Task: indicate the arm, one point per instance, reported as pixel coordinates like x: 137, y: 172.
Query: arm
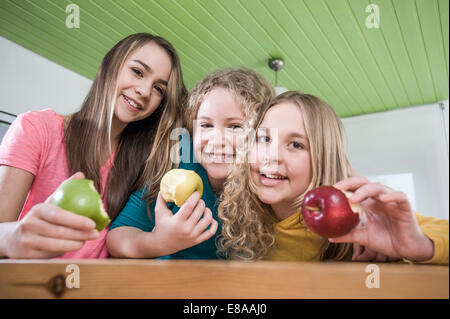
x: 171, y: 232
x: 46, y: 231
x: 437, y: 231
x: 14, y: 186
x: 132, y: 242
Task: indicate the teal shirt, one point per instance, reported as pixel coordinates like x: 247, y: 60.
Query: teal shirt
x: 134, y: 214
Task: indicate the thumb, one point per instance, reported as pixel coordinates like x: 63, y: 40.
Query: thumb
x: 161, y: 207
x: 356, y: 236
x: 77, y: 175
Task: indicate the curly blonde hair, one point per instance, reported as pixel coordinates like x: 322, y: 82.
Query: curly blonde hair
x: 251, y: 89
x: 247, y: 223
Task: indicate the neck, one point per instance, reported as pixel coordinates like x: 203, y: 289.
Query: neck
x: 283, y: 210
x: 216, y: 185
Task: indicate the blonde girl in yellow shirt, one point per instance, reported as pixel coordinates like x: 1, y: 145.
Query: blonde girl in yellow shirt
x: 298, y: 145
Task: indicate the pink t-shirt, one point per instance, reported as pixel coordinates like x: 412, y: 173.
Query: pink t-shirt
x: 35, y: 143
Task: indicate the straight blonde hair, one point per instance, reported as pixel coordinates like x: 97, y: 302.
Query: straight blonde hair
x: 248, y: 223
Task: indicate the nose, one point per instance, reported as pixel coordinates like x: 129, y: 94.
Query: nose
x: 143, y: 90
x: 217, y: 137
x: 270, y: 153
x: 216, y: 141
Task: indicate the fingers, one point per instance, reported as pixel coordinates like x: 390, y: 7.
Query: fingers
x: 366, y: 255
x: 381, y: 258
x: 356, y: 236
x: 46, y: 229
x: 203, y: 223
x: 361, y: 187
x: 352, y: 183
x: 189, y: 205
x: 368, y: 190
x: 77, y: 175
x: 357, y: 250
x: 361, y: 253
x: 396, y: 197
x: 161, y: 207
x: 209, y: 232
x: 51, y: 246
x: 58, y: 216
x: 197, y: 213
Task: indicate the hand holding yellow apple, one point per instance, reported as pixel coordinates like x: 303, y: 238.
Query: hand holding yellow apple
x: 178, y: 184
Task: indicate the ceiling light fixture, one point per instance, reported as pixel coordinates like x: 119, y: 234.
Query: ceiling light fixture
x: 276, y: 65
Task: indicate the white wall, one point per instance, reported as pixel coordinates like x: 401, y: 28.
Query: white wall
x: 406, y: 149
x: 31, y: 82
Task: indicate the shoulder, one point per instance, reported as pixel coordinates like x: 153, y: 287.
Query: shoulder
x: 35, y: 125
x: 40, y: 116
x: 40, y: 120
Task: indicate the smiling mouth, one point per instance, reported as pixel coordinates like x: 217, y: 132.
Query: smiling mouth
x: 271, y: 176
x: 219, y: 157
x: 132, y: 103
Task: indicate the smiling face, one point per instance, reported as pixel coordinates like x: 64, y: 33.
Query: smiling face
x: 281, y: 165
x: 217, y: 131
x: 141, y: 83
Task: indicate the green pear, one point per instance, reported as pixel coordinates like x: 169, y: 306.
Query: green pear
x: 79, y: 196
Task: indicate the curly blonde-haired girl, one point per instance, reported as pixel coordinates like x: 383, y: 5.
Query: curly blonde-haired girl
x: 249, y: 224
x: 298, y: 146
x: 218, y: 112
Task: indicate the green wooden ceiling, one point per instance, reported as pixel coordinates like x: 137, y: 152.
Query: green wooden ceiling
x: 327, y: 48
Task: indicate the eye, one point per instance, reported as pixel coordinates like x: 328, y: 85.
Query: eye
x: 137, y: 72
x: 263, y: 139
x: 235, y: 126
x: 205, y: 125
x: 159, y: 89
x: 297, y: 145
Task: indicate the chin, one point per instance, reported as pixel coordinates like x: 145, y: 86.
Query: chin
x: 268, y: 197
x: 216, y: 171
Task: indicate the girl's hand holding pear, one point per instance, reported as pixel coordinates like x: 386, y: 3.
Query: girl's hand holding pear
x: 48, y: 231
x: 187, y: 228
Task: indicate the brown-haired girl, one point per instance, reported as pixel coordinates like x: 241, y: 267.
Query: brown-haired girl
x: 121, y: 133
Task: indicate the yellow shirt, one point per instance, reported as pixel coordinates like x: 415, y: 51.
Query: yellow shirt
x: 295, y: 242
x: 437, y: 230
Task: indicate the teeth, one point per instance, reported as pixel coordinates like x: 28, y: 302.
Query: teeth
x: 219, y: 157
x: 273, y: 176
x: 132, y: 103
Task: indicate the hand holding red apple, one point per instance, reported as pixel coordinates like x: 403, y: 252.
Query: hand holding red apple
x: 388, y: 225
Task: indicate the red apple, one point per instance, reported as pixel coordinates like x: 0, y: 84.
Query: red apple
x: 328, y: 213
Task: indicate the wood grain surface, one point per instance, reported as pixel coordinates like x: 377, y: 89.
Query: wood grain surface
x: 176, y: 279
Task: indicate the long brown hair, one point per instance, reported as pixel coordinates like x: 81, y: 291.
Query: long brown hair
x: 142, y: 144
x: 247, y: 223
